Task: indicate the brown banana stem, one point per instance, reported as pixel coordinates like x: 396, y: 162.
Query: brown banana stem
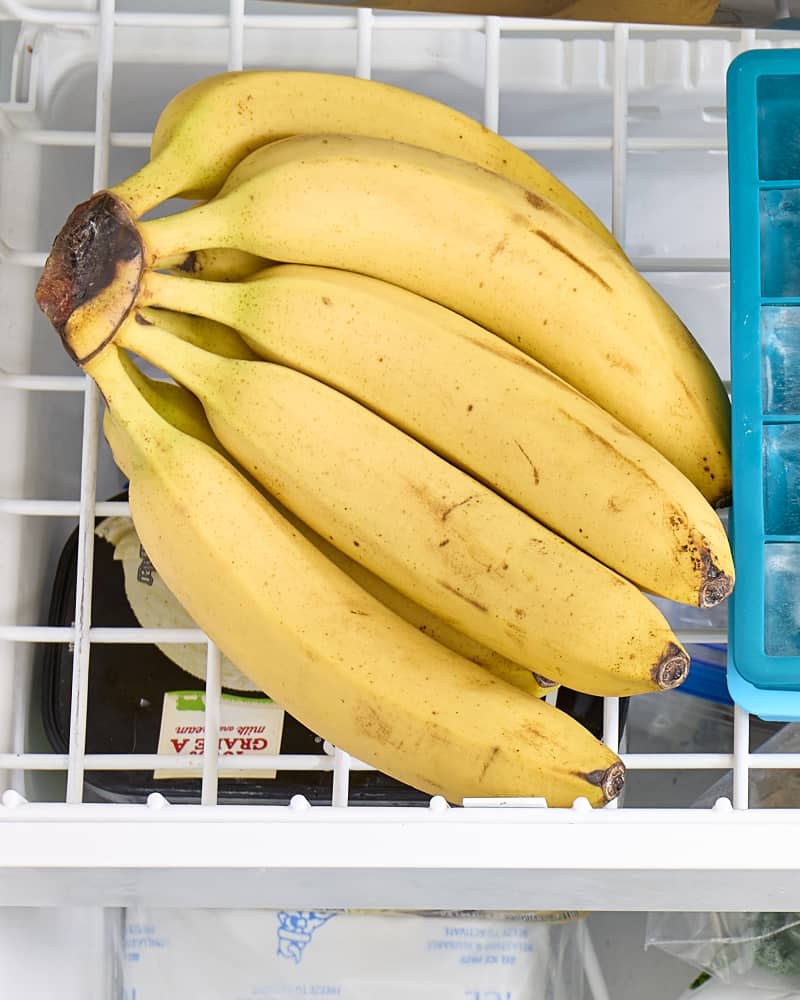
x: 92, y: 274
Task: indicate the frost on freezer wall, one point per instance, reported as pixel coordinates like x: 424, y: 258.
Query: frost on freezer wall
x: 242, y: 954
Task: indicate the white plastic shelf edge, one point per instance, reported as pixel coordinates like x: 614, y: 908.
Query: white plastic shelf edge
x: 452, y: 859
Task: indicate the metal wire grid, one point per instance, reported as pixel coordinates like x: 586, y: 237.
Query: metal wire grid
x: 105, y: 19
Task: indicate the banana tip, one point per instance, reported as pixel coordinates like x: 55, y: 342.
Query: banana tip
x: 715, y: 590
x: 613, y: 781
x: 610, y: 782
x: 672, y: 669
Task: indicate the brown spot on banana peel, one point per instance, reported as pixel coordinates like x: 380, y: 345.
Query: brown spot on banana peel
x: 464, y: 597
x: 372, y: 722
x: 568, y: 253
x: 190, y: 263
x: 508, y: 352
x: 615, y: 361
x: 714, y: 585
x: 672, y: 667
x: 488, y: 762
x: 618, y: 456
x: 541, y: 204
x: 460, y: 503
x: 515, y: 631
x: 439, y: 506
x: 534, y: 470
x: 499, y: 248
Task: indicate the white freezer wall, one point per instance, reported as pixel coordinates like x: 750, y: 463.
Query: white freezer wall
x: 62, y: 951
x: 633, y: 118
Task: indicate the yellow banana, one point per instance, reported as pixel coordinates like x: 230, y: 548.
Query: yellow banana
x: 206, y: 129
x: 485, y: 406
x: 463, y: 237
x: 202, y: 332
x: 215, y: 264
x: 425, y: 527
x: 331, y: 655
x: 180, y: 408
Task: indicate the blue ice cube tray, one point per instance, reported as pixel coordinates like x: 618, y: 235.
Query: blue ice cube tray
x: 763, y: 105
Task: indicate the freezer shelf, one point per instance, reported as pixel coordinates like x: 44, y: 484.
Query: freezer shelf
x: 633, y: 119
x: 437, y: 858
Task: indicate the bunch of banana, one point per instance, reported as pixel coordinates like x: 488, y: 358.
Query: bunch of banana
x: 438, y: 390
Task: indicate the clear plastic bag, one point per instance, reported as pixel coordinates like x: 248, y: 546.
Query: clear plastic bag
x: 759, y: 950
x: 351, y: 955
x: 715, y: 989
x: 755, y: 949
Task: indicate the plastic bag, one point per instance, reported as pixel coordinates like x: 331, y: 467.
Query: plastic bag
x: 760, y: 950
x: 714, y: 989
x: 755, y: 949
x: 351, y: 955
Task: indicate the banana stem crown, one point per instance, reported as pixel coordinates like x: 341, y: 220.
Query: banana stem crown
x: 92, y: 275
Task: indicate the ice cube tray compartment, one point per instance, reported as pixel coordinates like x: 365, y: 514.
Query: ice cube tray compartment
x: 779, y: 217
x: 778, y: 107
x: 780, y: 359
x: 763, y: 93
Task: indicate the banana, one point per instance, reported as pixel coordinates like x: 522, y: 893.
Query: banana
x: 459, y: 235
x: 206, y: 129
x: 328, y: 652
x: 430, y: 624
x: 425, y: 527
x: 485, y: 406
x: 154, y: 606
x: 180, y: 408
x: 215, y: 264
x: 202, y: 332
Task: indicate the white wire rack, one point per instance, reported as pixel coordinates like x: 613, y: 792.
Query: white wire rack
x: 487, y: 854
